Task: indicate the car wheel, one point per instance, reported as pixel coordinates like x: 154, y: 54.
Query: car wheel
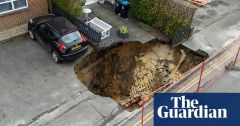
x: 55, y: 57
x: 31, y: 35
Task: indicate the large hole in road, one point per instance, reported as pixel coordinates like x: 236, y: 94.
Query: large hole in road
x: 129, y: 70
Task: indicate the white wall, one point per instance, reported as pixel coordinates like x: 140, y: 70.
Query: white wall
x: 95, y: 1
x: 90, y: 2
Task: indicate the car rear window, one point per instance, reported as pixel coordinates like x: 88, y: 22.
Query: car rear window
x: 71, y: 37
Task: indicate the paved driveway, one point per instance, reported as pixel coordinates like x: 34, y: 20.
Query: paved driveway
x: 31, y: 83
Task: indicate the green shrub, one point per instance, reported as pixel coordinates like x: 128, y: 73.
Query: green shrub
x: 123, y: 30
x: 158, y: 79
x: 73, y: 7
x: 159, y: 14
x: 142, y: 10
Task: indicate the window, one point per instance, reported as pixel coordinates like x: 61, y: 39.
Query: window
x: 7, y: 6
x: 74, y: 36
x: 43, y: 28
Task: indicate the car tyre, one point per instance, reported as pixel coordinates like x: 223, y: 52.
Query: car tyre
x: 31, y: 35
x: 55, y: 56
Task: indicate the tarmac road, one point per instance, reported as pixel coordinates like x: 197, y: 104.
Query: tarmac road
x: 34, y: 89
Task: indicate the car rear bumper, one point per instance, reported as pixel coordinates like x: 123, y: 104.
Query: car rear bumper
x: 74, y: 55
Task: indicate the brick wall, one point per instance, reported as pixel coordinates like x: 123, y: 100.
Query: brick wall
x: 36, y: 8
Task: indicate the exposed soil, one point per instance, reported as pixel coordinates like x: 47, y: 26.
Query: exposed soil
x: 129, y: 70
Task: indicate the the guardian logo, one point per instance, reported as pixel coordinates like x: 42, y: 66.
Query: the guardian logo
x: 190, y: 108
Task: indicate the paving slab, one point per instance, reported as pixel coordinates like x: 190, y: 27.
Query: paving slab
x: 106, y: 12
x: 104, y: 105
x: 81, y: 115
x: 91, y: 112
x: 215, y: 24
x: 230, y: 82
x: 62, y: 108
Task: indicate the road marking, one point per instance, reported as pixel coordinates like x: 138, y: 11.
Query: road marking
x: 150, y: 115
x: 190, y: 84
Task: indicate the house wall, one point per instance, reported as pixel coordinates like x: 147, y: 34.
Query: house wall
x: 35, y: 8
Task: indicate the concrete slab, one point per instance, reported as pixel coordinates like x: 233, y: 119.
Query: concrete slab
x: 81, y: 115
x: 215, y: 24
x: 62, y: 108
x: 122, y: 118
x: 133, y: 30
x: 230, y: 82
x: 106, y: 13
x: 144, y: 39
x: 91, y: 112
x: 119, y: 24
x: 110, y: 107
x: 139, y: 34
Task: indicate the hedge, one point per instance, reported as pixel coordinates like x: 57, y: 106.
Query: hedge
x: 73, y: 7
x: 162, y: 15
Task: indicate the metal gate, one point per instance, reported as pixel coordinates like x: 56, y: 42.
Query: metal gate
x: 181, y: 36
x: 94, y: 36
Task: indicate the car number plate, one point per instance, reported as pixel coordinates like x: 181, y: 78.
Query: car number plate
x: 76, y: 47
